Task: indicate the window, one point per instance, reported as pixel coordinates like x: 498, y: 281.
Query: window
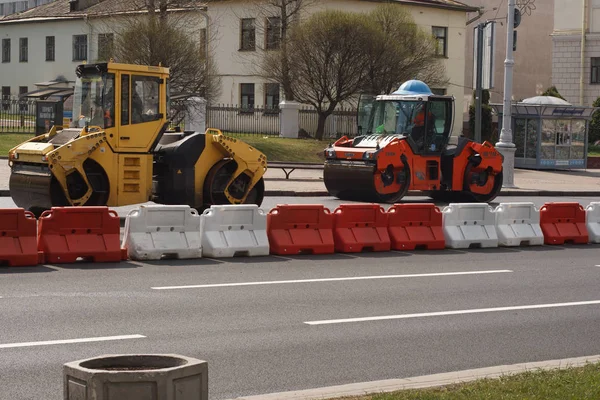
x: 5, y: 50
x: 124, y: 99
x: 23, y: 49
x: 144, y: 99
x: 80, y: 47
x: 5, y: 97
x: 248, y: 37
x: 50, y: 48
x: 439, y: 92
x: 273, y: 33
x: 271, y: 96
x: 595, y: 77
x: 203, y: 42
x: 105, y: 46
x: 441, y: 36
x: 22, y: 100
x: 247, y: 95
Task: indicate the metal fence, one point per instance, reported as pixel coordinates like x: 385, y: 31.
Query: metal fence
x: 341, y: 122
x: 17, y: 115
x: 235, y: 119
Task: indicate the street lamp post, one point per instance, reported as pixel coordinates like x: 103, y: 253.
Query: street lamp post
x: 506, y: 146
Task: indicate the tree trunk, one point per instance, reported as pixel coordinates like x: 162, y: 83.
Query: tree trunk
x: 321, y: 124
x: 285, y: 67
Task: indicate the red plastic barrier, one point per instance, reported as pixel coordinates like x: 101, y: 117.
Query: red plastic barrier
x: 68, y: 233
x: 18, y: 232
x: 563, y: 222
x: 360, y: 227
x: 414, y: 226
x: 300, y: 229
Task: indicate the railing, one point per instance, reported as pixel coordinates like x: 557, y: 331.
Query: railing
x: 341, y: 123
x: 17, y: 115
x: 235, y: 119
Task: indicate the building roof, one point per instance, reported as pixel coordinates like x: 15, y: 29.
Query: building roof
x: 61, y: 9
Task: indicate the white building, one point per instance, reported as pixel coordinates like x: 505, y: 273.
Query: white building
x: 47, y: 42
x: 237, y: 60
x: 576, y: 73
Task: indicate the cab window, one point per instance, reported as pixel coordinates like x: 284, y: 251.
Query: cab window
x: 439, y: 124
x: 145, y: 91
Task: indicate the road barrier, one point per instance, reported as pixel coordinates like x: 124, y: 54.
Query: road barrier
x: 469, y: 225
x: 300, y: 229
x: 563, y: 223
x: 518, y: 224
x: 592, y: 213
x: 413, y: 226
x: 18, y: 238
x: 360, y: 227
x: 66, y: 234
x: 234, y: 230
x: 153, y: 232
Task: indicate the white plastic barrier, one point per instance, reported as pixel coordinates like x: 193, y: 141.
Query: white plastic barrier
x: 518, y: 224
x: 469, y: 225
x: 592, y: 215
x: 234, y: 230
x: 156, y: 231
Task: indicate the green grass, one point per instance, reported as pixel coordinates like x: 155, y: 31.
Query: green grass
x: 280, y: 149
x: 593, y: 150
x: 567, y: 384
x: 276, y: 149
x: 10, y: 140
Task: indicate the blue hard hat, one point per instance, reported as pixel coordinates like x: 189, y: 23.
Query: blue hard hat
x: 414, y: 88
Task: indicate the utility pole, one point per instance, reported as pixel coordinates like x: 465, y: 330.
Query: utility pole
x: 479, y: 82
x: 506, y: 146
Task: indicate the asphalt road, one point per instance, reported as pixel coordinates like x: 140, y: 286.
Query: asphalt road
x: 303, y: 322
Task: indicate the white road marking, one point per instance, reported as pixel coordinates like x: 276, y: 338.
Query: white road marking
x: 455, y: 312
x: 70, y: 341
x: 349, y: 278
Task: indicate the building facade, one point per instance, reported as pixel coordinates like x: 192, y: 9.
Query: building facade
x: 237, y: 52
x: 46, y: 43
x: 576, y: 73
x: 533, y: 58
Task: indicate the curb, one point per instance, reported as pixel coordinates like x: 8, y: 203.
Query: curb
x: 511, y: 193
x: 421, y: 382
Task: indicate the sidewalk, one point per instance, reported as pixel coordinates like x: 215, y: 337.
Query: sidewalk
x: 310, y: 183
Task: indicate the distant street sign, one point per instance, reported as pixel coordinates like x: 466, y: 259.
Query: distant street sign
x: 488, y: 59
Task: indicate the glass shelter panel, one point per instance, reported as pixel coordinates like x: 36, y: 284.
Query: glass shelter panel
x: 532, y: 139
x: 519, y: 137
x: 548, y: 139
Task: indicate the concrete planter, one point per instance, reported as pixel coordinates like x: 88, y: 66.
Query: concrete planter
x: 136, y: 377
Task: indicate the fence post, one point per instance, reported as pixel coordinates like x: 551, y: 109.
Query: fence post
x: 290, y: 119
x: 195, y: 114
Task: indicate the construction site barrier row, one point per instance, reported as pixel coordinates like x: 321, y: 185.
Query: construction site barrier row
x: 154, y: 232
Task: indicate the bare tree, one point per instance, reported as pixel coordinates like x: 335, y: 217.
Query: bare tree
x: 399, y: 51
x: 166, y: 34
x: 326, y: 61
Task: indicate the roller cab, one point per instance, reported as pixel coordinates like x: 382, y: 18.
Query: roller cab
x: 403, y: 145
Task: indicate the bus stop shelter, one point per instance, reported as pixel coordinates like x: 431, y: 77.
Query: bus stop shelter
x: 549, y: 133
